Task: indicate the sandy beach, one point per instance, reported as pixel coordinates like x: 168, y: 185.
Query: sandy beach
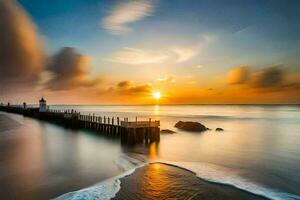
x: 162, y: 181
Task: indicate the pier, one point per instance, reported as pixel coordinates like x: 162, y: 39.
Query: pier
x: 130, y: 132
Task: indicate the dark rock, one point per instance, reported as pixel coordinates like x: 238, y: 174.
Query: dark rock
x: 191, y: 126
x: 219, y: 129
x: 167, y: 131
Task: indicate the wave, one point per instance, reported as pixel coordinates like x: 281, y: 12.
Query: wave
x: 107, y: 189
x: 226, y: 176
x: 102, y: 191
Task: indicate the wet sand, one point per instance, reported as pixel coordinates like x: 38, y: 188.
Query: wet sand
x: 161, y: 181
x: 7, y: 123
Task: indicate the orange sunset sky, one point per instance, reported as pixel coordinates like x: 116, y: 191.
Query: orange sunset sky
x: 122, y: 52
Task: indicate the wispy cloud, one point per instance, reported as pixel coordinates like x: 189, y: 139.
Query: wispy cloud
x: 183, y: 53
x: 166, y: 79
x: 172, y: 53
x: 117, y: 22
x: 137, y: 56
x: 199, y: 66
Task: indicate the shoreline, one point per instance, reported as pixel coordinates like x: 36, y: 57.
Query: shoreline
x: 200, y: 170
x: 162, y: 181
x: 134, y: 184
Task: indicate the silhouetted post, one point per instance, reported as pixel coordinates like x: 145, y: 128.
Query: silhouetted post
x: 89, y: 121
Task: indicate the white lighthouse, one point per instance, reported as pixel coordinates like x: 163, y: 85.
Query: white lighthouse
x: 43, y: 105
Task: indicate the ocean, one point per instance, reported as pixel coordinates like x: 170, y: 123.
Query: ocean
x: 258, y: 152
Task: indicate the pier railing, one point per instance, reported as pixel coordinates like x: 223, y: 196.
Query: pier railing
x: 115, y: 121
x: 140, y: 124
x: 129, y: 131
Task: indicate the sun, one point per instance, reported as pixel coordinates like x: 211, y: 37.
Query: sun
x: 156, y: 95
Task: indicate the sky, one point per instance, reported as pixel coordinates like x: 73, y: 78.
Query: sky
x: 123, y: 52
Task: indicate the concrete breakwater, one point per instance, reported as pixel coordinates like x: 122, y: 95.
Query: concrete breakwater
x: 130, y: 132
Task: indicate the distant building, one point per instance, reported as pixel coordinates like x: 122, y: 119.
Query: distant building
x: 43, y: 105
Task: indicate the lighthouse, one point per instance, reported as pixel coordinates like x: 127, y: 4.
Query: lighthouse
x: 43, y: 105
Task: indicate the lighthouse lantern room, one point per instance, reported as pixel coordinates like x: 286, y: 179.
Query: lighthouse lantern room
x: 43, y: 105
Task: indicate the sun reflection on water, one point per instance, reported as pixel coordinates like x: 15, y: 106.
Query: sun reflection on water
x: 156, y: 110
x: 153, y: 150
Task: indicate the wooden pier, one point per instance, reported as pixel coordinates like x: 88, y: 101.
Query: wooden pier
x: 130, y: 132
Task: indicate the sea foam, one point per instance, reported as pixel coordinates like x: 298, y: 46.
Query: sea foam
x: 107, y: 189
x: 222, y: 175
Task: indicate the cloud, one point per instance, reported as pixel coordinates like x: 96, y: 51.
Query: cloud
x: 69, y: 69
x: 21, y: 50
x: 136, y: 56
x: 166, y: 79
x: 169, y: 54
x: 238, y: 75
x: 270, y: 77
x: 126, y: 13
x: 199, y: 66
x: 130, y: 88
x: 183, y: 54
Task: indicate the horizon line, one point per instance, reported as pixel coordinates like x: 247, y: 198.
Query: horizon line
x: 184, y: 104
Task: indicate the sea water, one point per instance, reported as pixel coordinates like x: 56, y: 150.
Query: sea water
x: 258, y: 151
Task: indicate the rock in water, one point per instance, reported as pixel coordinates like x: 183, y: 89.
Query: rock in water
x: 191, y: 126
x: 167, y: 131
x: 219, y: 129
